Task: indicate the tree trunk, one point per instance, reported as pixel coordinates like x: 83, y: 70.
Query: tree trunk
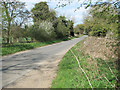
x: 11, y: 41
x: 8, y: 33
x: 8, y: 39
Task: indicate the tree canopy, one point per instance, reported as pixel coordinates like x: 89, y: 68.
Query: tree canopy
x: 102, y: 20
x: 41, y: 12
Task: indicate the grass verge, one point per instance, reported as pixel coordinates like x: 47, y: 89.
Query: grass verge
x: 98, y: 71
x: 13, y: 48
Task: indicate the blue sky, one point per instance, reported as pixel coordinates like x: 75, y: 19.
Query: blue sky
x: 67, y: 11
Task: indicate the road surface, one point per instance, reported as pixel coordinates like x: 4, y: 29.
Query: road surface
x: 17, y: 65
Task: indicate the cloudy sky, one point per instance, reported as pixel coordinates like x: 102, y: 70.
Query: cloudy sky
x: 68, y: 11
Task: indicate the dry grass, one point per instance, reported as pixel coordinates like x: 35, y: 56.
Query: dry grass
x: 101, y: 48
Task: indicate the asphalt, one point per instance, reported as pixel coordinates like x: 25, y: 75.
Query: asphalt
x: 17, y: 65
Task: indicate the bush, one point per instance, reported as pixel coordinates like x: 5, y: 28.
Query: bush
x: 43, y: 31
x: 79, y: 29
x: 91, y: 33
x: 97, y: 30
x: 62, y: 30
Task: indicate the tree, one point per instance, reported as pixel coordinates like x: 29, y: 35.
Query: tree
x: 16, y: 33
x: 43, y: 19
x: 70, y: 27
x: 102, y: 20
x: 61, y: 28
x: 41, y: 12
x: 79, y: 29
x: 110, y: 5
x: 25, y: 32
x: 52, y: 16
x: 10, y: 11
x: 22, y: 19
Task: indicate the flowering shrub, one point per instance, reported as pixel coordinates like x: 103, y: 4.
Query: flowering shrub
x: 43, y: 31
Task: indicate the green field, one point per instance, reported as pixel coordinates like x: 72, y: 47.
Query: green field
x: 98, y: 71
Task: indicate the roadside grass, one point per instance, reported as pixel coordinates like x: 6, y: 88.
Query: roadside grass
x: 69, y: 75
x: 13, y: 48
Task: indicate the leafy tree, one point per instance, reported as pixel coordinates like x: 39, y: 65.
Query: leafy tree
x: 97, y: 30
x: 41, y: 12
x: 10, y: 11
x: 102, y: 7
x: 61, y: 28
x: 70, y: 27
x: 102, y: 20
x: 79, y: 29
x: 52, y: 16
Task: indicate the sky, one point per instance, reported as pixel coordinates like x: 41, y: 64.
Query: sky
x: 68, y: 11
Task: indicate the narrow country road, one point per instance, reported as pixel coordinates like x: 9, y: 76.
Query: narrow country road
x: 17, y: 65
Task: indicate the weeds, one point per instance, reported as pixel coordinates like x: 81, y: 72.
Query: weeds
x: 101, y: 73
